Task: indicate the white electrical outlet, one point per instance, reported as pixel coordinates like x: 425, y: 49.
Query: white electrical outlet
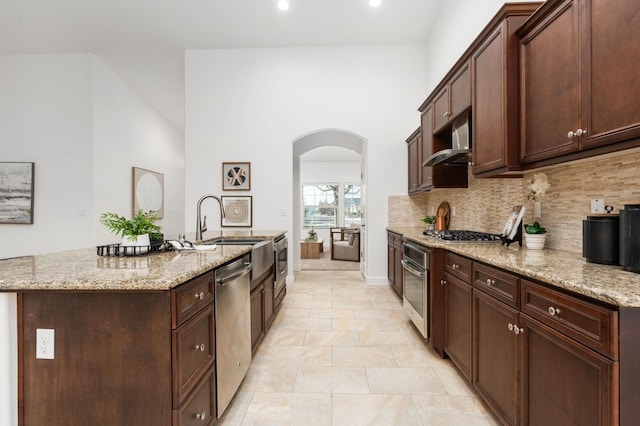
x: 453, y: 211
x: 597, y: 205
x: 45, y: 343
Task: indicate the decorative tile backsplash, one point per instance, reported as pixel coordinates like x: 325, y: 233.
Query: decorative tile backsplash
x: 486, y: 204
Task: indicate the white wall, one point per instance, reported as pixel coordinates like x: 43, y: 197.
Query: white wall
x: 250, y: 104
x: 84, y: 129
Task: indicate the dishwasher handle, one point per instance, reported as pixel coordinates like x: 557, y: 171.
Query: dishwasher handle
x: 222, y: 281
x: 411, y: 269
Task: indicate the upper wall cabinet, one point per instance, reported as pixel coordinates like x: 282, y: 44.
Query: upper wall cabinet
x: 414, y: 165
x: 453, y: 99
x: 494, y: 77
x: 578, y: 76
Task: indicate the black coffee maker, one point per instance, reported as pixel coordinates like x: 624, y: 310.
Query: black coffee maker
x: 630, y: 237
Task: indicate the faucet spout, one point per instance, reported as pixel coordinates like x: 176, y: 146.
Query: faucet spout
x: 201, y: 225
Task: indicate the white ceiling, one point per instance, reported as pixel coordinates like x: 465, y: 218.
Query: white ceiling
x: 144, y: 41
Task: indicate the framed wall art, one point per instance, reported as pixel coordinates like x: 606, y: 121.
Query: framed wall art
x: 238, y: 211
x: 16, y: 192
x: 148, y: 191
x: 236, y: 176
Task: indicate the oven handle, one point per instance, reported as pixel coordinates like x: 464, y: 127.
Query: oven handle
x: 411, y: 269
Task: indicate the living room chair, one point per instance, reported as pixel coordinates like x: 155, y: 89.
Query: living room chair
x: 345, y: 243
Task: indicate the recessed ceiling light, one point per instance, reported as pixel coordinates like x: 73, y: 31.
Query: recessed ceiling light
x: 375, y: 3
x: 283, y: 5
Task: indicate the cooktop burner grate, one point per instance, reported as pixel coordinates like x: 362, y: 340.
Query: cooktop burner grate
x: 461, y: 235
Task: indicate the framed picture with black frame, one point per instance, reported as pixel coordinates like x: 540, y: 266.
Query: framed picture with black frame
x: 238, y: 211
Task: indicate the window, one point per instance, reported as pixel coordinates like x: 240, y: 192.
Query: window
x: 320, y: 203
x: 327, y: 205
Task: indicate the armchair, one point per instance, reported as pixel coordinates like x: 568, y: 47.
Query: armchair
x: 345, y: 244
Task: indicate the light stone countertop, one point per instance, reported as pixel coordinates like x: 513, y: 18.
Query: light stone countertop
x: 84, y: 270
x: 567, y: 270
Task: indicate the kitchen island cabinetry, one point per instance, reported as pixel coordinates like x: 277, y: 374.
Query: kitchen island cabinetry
x: 581, y: 54
x: 262, y: 307
x: 394, y: 265
x: 495, y: 78
x: 120, y: 357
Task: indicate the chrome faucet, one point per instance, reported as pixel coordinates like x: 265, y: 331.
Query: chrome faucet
x: 201, y: 223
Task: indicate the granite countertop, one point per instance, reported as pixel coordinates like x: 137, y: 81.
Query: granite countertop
x: 83, y: 269
x: 567, y: 270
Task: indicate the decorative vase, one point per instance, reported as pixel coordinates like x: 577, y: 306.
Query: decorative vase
x: 431, y: 226
x: 535, y: 241
x: 135, y: 244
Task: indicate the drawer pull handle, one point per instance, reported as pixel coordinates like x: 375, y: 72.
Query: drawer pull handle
x: 201, y: 416
x: 200, y: 295
x: 490, y: 282
x: 201, y: 347
x: 454, y: 266
x: 553, y: 311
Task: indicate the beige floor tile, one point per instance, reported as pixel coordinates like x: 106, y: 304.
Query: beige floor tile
x: 355, y: 324
x: 331, y: 338
x: 331, y: 313
x: 409, y: 356
x: 289, y: 313
x: 362, y: 357
x: 404, y: 381
x: 387, y: 338
x: 236, y: 409
x: 367, y: 410
x: 284, y: 338
x: 289, y: 409
x: 304, y: 324
x: 453, y: 382
x: 310, y: 304
x: 270, y: 378
x: 331, y: 380
x: 296, y: 355
x: 351, y: 304
x: 379, y: 313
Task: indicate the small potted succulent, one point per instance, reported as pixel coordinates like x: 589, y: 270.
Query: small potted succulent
x: 138, y: 231
x: 430, y: 221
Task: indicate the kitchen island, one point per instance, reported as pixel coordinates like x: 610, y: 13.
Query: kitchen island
x: 133, y: 337
x: 543, y: 336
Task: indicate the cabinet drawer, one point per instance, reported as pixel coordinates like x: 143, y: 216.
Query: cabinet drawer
x: 190, y: 297
x: 200, y: 408
x: 458, y: 266
x: 590, y: 324
x: 502, y: 285
x: 194, y: 348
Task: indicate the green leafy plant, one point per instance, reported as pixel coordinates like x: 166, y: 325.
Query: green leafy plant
x: 312, y: 235
x: 429, y: 220
x: 140, y: 224
x: 534, y: 229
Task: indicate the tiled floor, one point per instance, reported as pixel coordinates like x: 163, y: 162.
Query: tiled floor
x: 341, y: 352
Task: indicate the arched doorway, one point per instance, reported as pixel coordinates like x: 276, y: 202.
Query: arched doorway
x: 327, y: 138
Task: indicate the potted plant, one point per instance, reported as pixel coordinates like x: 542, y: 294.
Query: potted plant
x: 430, y: 221
x: 138, y: 231
x: 534, y: 236
x: 312, y: 235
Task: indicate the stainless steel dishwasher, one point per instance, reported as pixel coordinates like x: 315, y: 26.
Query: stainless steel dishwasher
x: 233, y: 328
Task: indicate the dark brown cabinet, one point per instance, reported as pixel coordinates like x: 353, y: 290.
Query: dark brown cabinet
x: 394, y: 265
x: 453, y: 98
x: 458, y: 306
x: 414, y: 156
x: 437, y: 301
x: 426, y: 126
x: 262, y: 308
x: 495, y: 78
x: 578, y: 82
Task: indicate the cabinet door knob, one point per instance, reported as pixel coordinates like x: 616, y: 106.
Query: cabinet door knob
x: 510, y: 327
x: 553, y: 311
x: 200, y: 347
x: 443, y: 282
x: 201, y: 416
x: 490, y: 282
x: 200, y: 295
x: 581, y: 132
x: 517, y: 330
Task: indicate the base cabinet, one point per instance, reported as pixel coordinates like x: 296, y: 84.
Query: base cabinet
x: 458, y: 305
x: 394, y: 265
x: 565, y: 383
x: 262, y: 309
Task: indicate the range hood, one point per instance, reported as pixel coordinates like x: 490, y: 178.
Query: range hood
x: 448, y: 157
x: 459, y: 153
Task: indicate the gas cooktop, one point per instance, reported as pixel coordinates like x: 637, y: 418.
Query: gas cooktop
x: 460, y: 236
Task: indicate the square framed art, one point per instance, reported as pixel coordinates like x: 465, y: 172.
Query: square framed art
x: 236, y: 176
x: 238, y: 211
x: 16, y: 192
x: 148, y: 191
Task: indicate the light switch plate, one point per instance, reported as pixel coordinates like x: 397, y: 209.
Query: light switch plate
x: 597, y: 205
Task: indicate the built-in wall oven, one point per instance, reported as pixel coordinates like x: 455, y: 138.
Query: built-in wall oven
x: 280, y: 249
x: 415, y: 283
